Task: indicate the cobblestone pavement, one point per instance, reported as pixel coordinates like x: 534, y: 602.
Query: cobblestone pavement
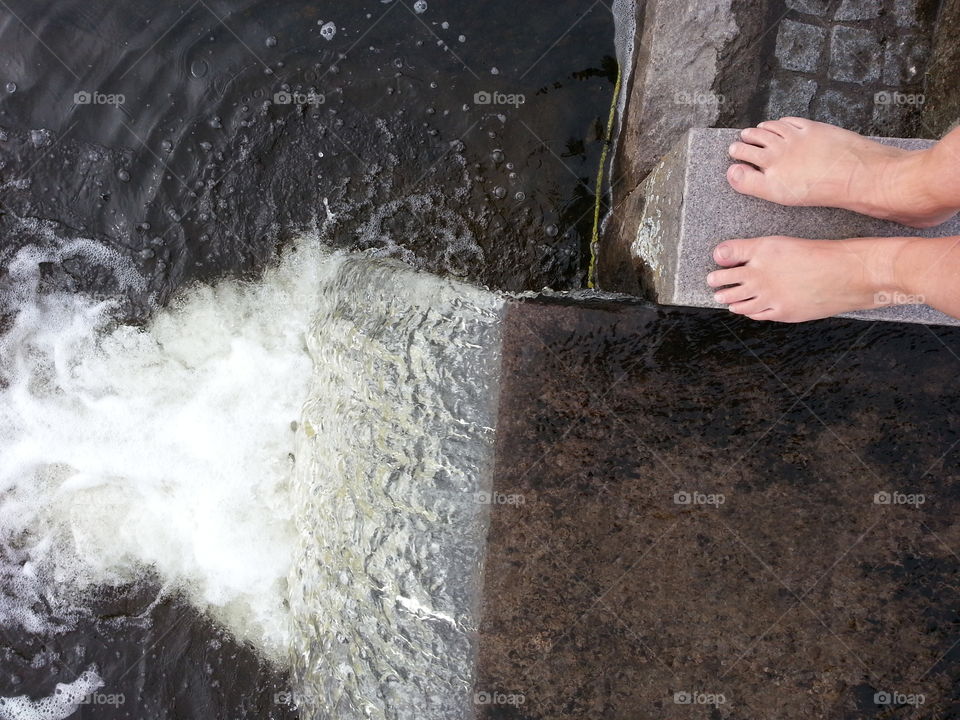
x: 855, y: 63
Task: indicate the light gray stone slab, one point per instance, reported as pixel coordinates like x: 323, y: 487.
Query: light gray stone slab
x: 689, y: 208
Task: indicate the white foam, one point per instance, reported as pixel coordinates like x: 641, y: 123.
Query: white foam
x: 64, y: 701
x: 165, y: 448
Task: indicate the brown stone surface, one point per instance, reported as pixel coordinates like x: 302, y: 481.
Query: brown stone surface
x: 799, y: 596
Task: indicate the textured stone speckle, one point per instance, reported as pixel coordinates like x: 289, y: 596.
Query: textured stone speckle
x: 790, y: 95
x: 905, y: 13
x: 859, y: 10
x: 855, y: 55
x: 843, y: 109
x: 810, y: 7
x: 799, y: 46
x: 905, y: 57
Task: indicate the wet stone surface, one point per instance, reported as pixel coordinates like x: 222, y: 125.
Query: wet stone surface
x: 697, y: 506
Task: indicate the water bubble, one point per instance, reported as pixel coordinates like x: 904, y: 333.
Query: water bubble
x: 144, y: 226
x: 552, y: 230
x: 123, y: 175
x: 205, y: 146
x: 215, y: 122
x: 445, y: 25
x: 271, y: 41
x: 497, y: 156
x: 166, y: 146
x: 500, y: 192
x: 198, y: 68
x: 494, y: 71
x: 431, y: 111
x: 320, y: 154
x: 328, y: 31
x: 420, y: 6
x: 509, y: 166
x: 521, y: 196
x: 462, y: 38
x: 11, y: 87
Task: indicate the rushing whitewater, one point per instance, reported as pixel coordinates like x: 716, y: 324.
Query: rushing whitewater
x: 300, y: 457
x: 164, y: 449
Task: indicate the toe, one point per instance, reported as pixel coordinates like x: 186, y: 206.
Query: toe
x: 734, y: 296
x: 731, y: 253
x: 777, y: 127
x: 759, y: 137
x: 725, y: 278
x: 749, y: 306
x: 748, y: 153
x: 798, y: 122
x: 768, y: 314
x: 746, y: 180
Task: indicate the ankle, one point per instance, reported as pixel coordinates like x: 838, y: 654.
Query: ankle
x: 883, y: 272
x: 941, y: 171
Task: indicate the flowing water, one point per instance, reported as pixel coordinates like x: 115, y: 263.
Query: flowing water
x: 202, y: 209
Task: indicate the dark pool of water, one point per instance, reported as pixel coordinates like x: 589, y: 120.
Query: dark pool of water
x: 203, y: 169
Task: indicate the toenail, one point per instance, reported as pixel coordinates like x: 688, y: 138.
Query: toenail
x: 731, y: 149
x: 723, y: 251
x: 737, y: 172
x: 718, y: 298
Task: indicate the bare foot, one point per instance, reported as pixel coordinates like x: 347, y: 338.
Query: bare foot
x: 791, y: 280
x: 794, y: 161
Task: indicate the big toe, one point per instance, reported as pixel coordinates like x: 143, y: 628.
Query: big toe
x: 731, y: 253
x: 745, y: 180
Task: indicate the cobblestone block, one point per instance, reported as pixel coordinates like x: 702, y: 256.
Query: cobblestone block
x: 799, y: 46
x: 849, y: 110
x: 859, y: 10
x: 855, y: 55
x: 790, y: 95
x: 810, y: 7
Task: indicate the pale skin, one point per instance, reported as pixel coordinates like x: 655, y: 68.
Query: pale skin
x: 800, y: 162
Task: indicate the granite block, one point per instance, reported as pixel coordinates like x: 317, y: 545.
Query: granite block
x: 688, y: 207
x: 799, y: 46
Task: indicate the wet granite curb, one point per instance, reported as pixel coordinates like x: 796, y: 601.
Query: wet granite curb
x: 664, y: 552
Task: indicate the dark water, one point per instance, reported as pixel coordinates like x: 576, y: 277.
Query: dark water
x: 200, y: 172
x: 203, y: 171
